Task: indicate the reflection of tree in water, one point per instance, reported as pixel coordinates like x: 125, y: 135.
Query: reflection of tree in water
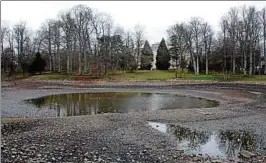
x: 195, y: 138
x: 229, y: 142
x: 82, y: 103
x: 38, y: 102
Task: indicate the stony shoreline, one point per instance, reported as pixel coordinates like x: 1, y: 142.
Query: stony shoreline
x: 124, y: 137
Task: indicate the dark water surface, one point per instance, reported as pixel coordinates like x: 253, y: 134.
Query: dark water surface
x: 223, y: 144
x: 114, y: 102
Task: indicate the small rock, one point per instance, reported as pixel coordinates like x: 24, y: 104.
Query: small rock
x: 216, y: 161
x: 180, y: 151
x: 86, y: 154
x: 247, y: 154
x: 196, y: 159
x: 39, y: 155
x: 24, y: 157
x: 104, y: 149
x: 14, y: 153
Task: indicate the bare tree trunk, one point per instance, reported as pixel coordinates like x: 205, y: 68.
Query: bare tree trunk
x: 225, y: 57
x: 71, y: 62
x: 176, y: 67
x: 259, y: 61
x: 59, y: 60
x: 194, y: 65
x: 54, y: 59
x: 234, y: 64
x: 245, y: 63
x: 264, y: 46
x: 80, y: 63
x: 50, y: 48
x: 68, y: 61
x: 50, y: 63
x: 264, y: 51
x: 254, y: 62
x: 197, y: 64
x: 85, y: 63
x: 207, y: 63
x: 250, y: 61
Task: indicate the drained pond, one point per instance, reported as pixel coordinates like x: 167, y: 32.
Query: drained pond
x: 114, y: 102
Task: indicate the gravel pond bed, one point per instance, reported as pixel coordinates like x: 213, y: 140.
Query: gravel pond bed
x: 115, y: 137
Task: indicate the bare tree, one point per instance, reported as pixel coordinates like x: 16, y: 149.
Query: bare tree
x: 207, y: 41
x: 139, y: 41
x: 57, y: 41
x: 245, y: 37
x: 68, y: 32
x: 263, y: 21
x: 47, y: 34
x: 178, y: 43
x: 196, y: 29
x: 4, y: 31
x: 253, y: 23
x: 232, y: 16
x: 21, y: 36
x: 82, y: 17
x: 224, y: 26
x: 129, y: 52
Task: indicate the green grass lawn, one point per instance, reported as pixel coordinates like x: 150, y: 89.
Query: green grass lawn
x: 170, y: 74
x: 146, y: 75
x: 143, y: 75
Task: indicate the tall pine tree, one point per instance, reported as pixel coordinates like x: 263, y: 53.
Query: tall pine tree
x: 163, y: 56
x: 146, y: 57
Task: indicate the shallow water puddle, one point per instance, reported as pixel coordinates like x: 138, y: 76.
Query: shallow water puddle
x: 114, y: 102
x: 256, y: 93
x: 221, y: 144
x: 158, y: 126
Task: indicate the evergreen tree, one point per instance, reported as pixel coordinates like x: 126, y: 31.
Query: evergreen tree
x: 163, y: 56
x: 146, y: 57
x: 38, y: 64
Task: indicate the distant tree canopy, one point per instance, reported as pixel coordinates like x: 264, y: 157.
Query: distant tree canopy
x: 146, y: 57
x: 37, y: 65
x: 86, y: 41
x: 163, y: 56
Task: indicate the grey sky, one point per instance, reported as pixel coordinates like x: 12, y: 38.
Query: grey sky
x: 156, y: 16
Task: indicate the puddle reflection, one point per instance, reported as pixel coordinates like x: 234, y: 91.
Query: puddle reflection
x: 223, y: 144
x: 114, y: 102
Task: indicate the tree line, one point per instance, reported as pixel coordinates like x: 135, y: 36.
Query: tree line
x: 80, y: 41
x: 238, y: 47
x: 84, y: 41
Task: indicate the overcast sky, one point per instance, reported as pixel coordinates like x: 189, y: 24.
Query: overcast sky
x: 156, y: 16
